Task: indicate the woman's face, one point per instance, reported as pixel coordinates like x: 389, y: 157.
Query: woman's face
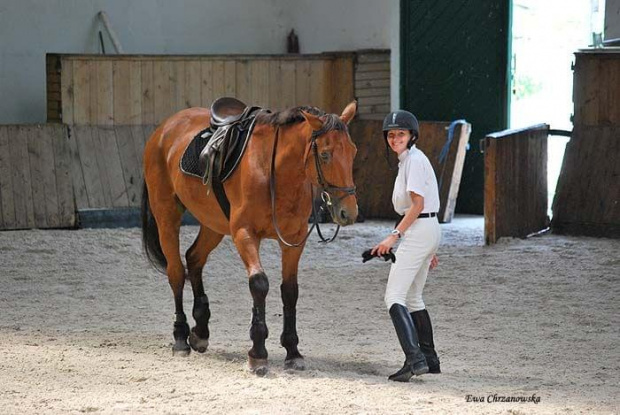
x: 398, y: 139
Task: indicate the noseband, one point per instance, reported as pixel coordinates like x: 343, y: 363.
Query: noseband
x: 326, y: 194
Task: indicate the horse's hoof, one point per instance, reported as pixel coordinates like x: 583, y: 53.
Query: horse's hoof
x: 259, y: 367
x: 198, y: 344
x: 295, y: 364
x: 181, y: 350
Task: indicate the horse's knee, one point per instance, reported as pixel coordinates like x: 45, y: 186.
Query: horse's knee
x: 259, y: 287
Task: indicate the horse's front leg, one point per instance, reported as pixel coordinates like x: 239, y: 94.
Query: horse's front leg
x: 248, y: 246
x: 290, y: 292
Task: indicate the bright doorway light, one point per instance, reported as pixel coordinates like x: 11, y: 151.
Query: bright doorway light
x: 545, y: 36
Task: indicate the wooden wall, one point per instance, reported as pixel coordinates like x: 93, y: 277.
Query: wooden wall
x: 375, y: 179
x: 587, y: 199
x: 106, y: 165
x: 372, y: 83
x: 144, y: 90
x: 36, y: 189
x: 515, y: 183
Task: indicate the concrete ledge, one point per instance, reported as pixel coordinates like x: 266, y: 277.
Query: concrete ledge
x: 118, y: 218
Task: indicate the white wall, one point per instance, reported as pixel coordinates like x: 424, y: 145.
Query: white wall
x: 612, y: 19
x: 31, y: 28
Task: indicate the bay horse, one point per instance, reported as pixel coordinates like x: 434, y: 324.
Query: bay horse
x: 270, y: 195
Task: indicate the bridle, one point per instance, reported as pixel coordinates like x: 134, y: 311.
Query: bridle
x: 326, y: 193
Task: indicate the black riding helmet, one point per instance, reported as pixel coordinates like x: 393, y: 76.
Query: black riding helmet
x: 402, y: 120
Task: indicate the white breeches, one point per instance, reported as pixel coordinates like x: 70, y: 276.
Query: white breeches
x: 413, y: 258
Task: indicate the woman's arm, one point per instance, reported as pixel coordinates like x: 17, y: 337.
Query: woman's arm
x: 417, y: 206
x: 412, y: 214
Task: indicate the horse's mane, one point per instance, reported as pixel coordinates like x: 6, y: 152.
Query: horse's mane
x: 293, y: 116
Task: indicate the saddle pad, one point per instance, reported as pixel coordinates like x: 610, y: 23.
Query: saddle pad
x: 189, y: 162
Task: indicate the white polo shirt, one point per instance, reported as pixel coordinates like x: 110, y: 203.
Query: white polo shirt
x: 415, y: 174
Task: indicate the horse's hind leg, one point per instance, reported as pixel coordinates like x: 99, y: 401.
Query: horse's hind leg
x: 168, y: 218
x: 289, y: 290
x: 196, y: 257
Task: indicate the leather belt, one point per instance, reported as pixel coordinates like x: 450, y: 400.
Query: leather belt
x: 427, y: 215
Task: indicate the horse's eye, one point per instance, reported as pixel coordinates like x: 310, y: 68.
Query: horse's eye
x: 325, y: 156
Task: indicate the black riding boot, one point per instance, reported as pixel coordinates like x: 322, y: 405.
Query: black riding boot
x: 415, y: 363
x: 422, y: 323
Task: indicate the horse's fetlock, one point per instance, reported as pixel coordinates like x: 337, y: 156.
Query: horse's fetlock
x: 259, y: 331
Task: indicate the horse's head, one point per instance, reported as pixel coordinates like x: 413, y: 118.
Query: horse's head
x: 329, y: 162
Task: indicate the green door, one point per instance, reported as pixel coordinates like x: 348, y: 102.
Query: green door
x: 455, y: 64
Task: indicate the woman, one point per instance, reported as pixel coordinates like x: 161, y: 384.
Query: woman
x: 415, y: 196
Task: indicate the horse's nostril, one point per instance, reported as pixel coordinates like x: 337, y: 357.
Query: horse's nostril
x: 343, y: 214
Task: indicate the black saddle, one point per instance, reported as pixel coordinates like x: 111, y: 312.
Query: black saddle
x: 215, y: 152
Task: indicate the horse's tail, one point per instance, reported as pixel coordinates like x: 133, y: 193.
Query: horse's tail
x: 150, y: 234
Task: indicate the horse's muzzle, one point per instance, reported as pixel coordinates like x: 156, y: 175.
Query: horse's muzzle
x: 344, y: 215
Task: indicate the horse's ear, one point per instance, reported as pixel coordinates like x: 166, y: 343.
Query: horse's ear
x: 349, y: 112
x: 314, y: 121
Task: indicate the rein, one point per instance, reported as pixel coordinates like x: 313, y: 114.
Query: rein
x: 325, y: 195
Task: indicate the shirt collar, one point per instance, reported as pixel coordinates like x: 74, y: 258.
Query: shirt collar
x: 402, y: 156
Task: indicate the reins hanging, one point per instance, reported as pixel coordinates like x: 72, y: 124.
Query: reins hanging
x: 325, y: 196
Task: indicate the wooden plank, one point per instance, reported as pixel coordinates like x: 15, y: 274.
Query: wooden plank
x: 275, y: 85
x: 490, y: 186
x: 374, y: 75
x: 317, y: 80
x: 38, y: 150
x: 259, y: 83
x: 193, y: 73
x: 373, y: 67
x: 373, y: 109
x: 288, y: 98
x: 230, y: 78
x: 219, y: 80
x: 162, y: 97
x: 6, y: 181
x: 148, y: 92
x: 373, y: 57
x: 372, y: 92
x: 105, y: 94
x: 64, y: 182
x: 378, y: 100
x: 82, y: 109
x: 135, y: 93
x: 138, y: 138
x: 207, y: 95
x: 242, y: 81
x: 371, y: 83
x: 342, y: 84
x: 88, y: 156
x: 302, y: 82
x: 177, y: 86
x: 48, y: 169
x: 112, y: 167
x: 457, y: 161
x: 122, y: 92
x: 22, y: 185
x: 80, y: 193
x: 129, y: 163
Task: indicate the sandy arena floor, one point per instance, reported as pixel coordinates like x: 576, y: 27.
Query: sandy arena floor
x: 86, y: 327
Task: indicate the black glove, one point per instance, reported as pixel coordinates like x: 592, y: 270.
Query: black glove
x: 367, y: 256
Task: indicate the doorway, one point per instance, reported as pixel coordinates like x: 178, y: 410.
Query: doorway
x: 545, y: 35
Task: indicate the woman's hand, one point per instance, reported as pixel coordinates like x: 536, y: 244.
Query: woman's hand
x: 434, y: 262
x: 385, y: 245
